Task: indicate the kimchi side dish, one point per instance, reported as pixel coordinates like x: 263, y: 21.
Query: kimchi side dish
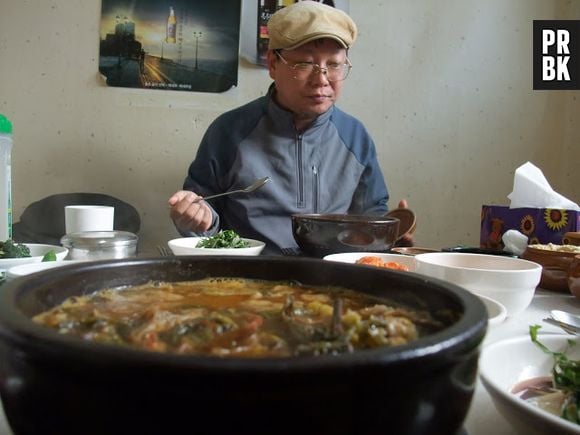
x: 231, y: 317
x: 379, y: 262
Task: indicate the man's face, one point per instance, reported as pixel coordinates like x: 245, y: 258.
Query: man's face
x: 315, y: 95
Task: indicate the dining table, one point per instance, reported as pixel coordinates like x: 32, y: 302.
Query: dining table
x: 483, y: 418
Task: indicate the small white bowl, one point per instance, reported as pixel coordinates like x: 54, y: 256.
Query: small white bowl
x: 37, y: 251
x: 510, y: 281
x: 352, y: 257
x: 187, y: 246
x: 505, y: 363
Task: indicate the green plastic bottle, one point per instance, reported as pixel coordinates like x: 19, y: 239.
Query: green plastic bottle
x: 5, y: 178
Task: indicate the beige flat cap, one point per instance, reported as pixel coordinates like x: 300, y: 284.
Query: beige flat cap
x: 305, y: 21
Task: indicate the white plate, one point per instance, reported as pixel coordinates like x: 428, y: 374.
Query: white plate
x: 37, y: 251
x: 27, y: 269
x: 352, y: 257
x: 505, y: 363
x: 187, y: 246
x: 496, y: 312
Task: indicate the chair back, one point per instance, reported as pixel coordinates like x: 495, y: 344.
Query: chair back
x: 43, y: 220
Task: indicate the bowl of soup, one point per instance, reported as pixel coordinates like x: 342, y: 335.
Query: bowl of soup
x: 227, y: 345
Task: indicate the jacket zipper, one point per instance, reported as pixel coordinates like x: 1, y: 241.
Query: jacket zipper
x: 300, y: 174
x: 315, y: 188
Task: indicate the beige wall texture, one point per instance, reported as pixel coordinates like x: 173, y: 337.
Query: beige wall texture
x: 444, y: 87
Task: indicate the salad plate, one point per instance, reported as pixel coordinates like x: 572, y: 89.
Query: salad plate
x: 506, y: 364
x: 37, y: 252
x: 27, y: 269
x: 189, y: 246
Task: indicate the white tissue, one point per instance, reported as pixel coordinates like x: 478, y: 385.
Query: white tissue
x: 531, y: 189
x: 514, y: 242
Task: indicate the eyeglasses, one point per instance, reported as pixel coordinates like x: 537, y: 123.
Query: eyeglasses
x: 334, y: 72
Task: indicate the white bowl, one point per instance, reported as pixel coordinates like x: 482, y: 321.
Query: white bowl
x: 187, y: 246
x: 37, y: 251
x: 496, y: 312
x: 505, y: 363
x: 352, y: 257
x: 510, y: 281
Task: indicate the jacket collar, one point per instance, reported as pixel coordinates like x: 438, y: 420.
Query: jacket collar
x: 284, y: 118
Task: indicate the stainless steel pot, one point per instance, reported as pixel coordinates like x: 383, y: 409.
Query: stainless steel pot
x: 100, y: 245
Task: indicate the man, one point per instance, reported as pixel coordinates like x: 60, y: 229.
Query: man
x: 320, y: 159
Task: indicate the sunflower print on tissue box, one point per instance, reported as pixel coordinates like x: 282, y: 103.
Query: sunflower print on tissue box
x: 540, y: 225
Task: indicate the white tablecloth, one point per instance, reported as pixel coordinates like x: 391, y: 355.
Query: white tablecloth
x: 483, y: 418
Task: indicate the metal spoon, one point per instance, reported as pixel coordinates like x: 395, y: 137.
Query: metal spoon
x: 255, y: 185
x: 570, y: 329
x: 566, y: 318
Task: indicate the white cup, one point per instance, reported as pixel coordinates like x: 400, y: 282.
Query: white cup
x: 79, y: 218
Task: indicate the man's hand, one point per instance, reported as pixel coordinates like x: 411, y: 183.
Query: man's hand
x: 189, y: 215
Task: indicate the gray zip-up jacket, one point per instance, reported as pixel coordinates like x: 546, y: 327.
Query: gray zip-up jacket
x: 331, y: 167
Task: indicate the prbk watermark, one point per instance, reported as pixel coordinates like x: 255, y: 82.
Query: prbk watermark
x: 556, y: 54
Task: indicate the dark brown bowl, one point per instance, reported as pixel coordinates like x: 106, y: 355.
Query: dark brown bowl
x: 574, y: 276
x: 407, y: 220
x: 318, y: 235
x: 571, y: 238
x: 56, y: 384
x: 555, y: 267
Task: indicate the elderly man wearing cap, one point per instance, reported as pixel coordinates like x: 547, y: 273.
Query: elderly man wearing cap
x: 320, y: 159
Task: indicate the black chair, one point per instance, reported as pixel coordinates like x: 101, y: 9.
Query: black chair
x: 43, y: 220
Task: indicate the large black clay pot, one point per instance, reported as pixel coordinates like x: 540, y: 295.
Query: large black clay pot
x: 54, y: 384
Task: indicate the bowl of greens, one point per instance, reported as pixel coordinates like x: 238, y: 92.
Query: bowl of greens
x: 15, y: 254
x: 534, y: 381
x: 226, y: 242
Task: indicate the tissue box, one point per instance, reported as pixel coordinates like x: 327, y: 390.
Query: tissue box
x: 541, y: 225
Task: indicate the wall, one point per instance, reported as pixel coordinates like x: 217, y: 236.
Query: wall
x: 444, y: 87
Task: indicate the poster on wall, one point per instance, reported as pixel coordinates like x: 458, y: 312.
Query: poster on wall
x: 255, y: 16
x: 182, y: 45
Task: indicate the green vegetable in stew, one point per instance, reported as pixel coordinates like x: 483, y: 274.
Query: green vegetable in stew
x: 11, y: 249
x: 566, y: 377
x: 223, y: 239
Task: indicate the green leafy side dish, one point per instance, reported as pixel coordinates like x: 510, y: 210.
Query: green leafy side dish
x: 566, y: 377
x: 223, y: 239
x: 49, y: 256
x: 11, y: 249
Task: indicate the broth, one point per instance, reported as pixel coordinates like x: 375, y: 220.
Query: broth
x: 232, y: 317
